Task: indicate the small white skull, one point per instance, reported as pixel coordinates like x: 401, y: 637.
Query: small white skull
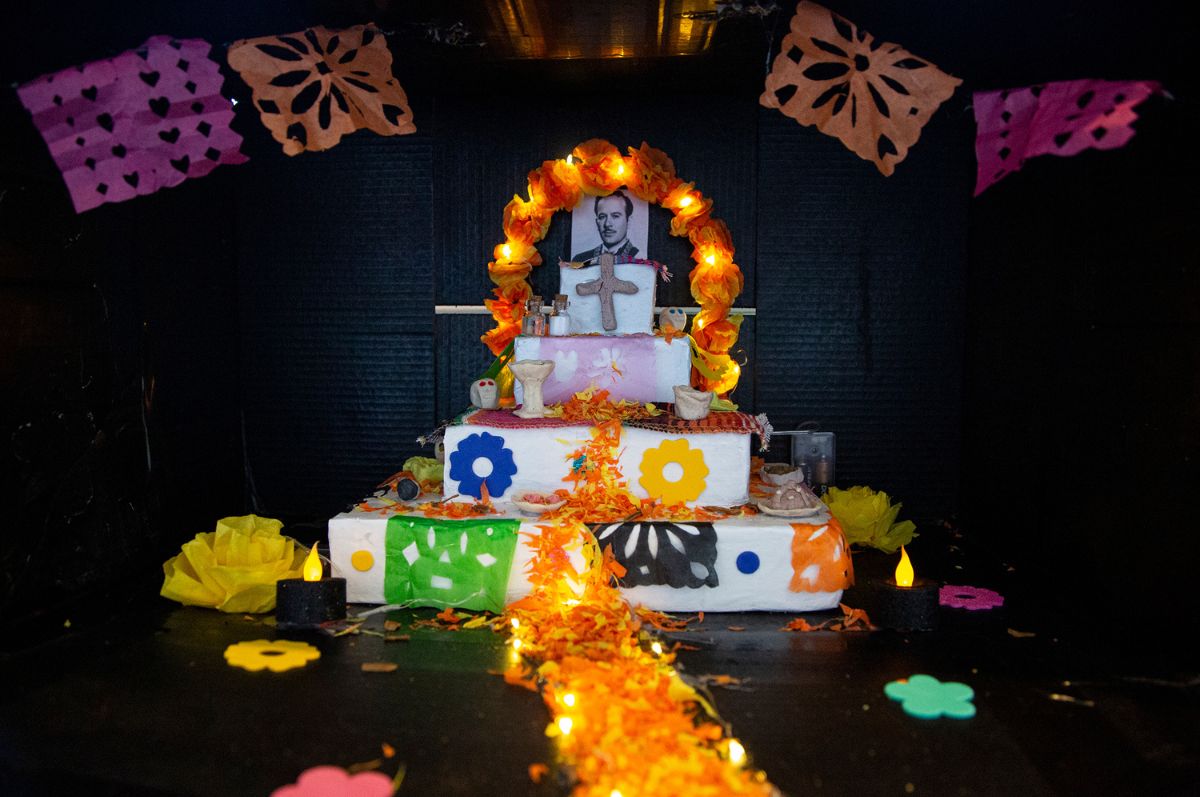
x: 484, y: 394
x: 673, y: 316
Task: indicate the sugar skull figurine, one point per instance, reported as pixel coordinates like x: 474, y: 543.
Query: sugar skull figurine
x: 484, y: 394
x: 674, y: 316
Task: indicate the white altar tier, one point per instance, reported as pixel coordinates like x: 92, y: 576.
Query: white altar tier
x: 737, y: 564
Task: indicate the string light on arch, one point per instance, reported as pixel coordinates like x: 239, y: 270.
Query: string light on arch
x: 597, y: 168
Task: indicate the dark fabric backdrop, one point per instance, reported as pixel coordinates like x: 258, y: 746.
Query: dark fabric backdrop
x: 263, y: 339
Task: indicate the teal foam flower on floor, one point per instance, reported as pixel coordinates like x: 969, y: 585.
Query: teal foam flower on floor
x: 928, y: 698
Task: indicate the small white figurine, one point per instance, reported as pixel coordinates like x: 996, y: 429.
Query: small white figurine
x: 692, y: 404
x: 673, y: 316
x: 484, y: 394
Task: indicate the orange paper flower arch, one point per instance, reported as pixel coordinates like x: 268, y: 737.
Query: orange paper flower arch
x: 597, y: 168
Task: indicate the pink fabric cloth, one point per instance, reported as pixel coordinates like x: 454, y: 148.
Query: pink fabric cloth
x: 622, y: 365
x: 1062, y: 118
x: 147, y: 119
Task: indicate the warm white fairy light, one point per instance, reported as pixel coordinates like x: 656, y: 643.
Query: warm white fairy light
x: 687, y: 200
x: 657, y: 648
x: 564, y: 725
x: 737, y: 753
x: 516, y: 643
x: 569, y: 700
x: 516, y: 623
x: 507, y: 250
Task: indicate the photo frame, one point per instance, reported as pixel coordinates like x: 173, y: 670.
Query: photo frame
x: 618, y: 211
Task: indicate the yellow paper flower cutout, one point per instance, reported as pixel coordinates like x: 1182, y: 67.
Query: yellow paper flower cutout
x: 688, y: 486
x: 277, y: 655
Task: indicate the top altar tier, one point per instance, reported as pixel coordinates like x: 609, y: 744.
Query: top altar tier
x: 627, y: 292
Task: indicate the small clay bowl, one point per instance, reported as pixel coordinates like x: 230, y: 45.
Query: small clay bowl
x: 779, y: 473
x: 532, y: 508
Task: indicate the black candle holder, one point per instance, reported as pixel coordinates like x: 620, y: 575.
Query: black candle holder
x: 307, y: 604
x: 912, y: 608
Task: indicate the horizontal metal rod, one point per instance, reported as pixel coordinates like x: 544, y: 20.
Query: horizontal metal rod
x: 478, y: 309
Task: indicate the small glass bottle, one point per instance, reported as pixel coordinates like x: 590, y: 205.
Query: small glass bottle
x: 560, y: 321
x: 535, y: 322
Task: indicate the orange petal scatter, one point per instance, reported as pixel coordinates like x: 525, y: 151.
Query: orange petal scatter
x: 851, y: 620
x: 456, y: 511
x: 597, y: 168
x: 594, y: 406
x: 600, y: 493
x: 624, y: 721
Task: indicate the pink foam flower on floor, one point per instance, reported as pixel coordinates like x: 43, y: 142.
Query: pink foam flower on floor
x: 327, y: 781
x: 972, y: 598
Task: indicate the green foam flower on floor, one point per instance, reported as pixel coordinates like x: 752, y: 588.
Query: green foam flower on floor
x: 928, y: 698
x: 869, y: 518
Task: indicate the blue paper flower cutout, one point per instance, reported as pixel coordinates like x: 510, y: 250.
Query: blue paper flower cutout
x: 928, y: 698
x: 488, y: 447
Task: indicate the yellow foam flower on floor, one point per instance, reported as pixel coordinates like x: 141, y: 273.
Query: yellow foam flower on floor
x: 235, y: 567
x: 869, y: 518
x: 691, y: 482
x: 277, y: 655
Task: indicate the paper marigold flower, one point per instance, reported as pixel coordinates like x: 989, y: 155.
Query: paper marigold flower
x: 525, y: 221
x: 651, y: 173
x: 277, y: 655
x: 517, y: 252
x: 555, y: 185
x: 602, y: 170
x: 327, y: 781
x: 691, y: 208
x: 688, y: 487
x: 505, y: 274
x: 235, y: 567
x: 869, y: 518
x: 711, y: 237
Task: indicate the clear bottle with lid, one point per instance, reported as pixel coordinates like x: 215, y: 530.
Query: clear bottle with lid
x: 535, y: 322
x: 560, y: 321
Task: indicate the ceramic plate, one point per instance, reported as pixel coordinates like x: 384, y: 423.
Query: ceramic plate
x: 766, y: 510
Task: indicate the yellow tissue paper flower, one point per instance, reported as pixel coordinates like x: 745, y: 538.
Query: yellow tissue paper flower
x: 869, y: 518
x: 277, y: 655
x: 233, y: 569
x: 425, y: 469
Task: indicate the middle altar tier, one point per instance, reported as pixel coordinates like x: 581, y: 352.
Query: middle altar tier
x: 704, y: 460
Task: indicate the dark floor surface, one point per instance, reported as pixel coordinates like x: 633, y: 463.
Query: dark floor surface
x: 144, y: 703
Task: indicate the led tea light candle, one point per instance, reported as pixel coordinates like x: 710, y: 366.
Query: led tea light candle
x: 907, y: 603
x: 307, y: 602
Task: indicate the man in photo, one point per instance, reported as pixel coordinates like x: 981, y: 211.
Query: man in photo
x: 612, y: 222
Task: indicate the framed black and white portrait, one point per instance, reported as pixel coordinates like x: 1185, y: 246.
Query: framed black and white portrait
x: 617, y: 223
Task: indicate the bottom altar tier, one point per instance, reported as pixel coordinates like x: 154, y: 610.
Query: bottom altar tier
x: 744, y: 563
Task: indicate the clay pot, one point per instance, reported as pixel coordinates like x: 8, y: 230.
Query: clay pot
x: 692, y: 404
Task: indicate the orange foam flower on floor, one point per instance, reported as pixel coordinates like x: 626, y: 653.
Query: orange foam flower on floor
x: 526, y: 221
x: 602, y: 170
x: 555, y: 185
x: 651, y: 173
